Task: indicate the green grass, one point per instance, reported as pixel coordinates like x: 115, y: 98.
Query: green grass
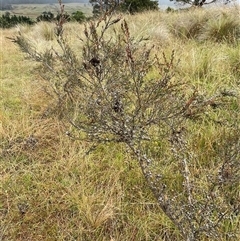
x: 49, y: 188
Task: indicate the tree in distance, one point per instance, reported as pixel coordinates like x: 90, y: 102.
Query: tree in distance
x: 131, y: 6
x: 134, y: 6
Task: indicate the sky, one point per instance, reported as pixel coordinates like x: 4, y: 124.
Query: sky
x: 165, y: 3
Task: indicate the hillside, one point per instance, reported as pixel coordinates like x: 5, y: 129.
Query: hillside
x: 34, y: 10
x: 39, y: 1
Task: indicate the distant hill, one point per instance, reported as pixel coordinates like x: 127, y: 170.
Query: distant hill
x: 39, y: 1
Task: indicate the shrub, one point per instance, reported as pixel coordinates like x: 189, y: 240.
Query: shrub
x: 78, y: 16
x: 121, y: 90
x: 8, y: 21
x: 46, y: 16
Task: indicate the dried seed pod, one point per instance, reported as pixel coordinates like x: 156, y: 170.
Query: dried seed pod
x: 94, y: 61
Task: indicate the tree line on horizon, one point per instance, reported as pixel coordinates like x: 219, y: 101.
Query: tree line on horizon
x: 8, y: 21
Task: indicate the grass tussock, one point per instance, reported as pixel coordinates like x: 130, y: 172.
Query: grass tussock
x: 51, y: 189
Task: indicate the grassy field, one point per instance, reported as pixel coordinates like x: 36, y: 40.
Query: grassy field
x: 34, y: 10
x: 49, y: 188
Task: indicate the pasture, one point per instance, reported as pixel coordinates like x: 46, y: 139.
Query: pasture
x: 34, y: 10
x: 50, y: 188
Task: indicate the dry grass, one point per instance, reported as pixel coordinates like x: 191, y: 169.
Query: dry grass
x: 50, y: 188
